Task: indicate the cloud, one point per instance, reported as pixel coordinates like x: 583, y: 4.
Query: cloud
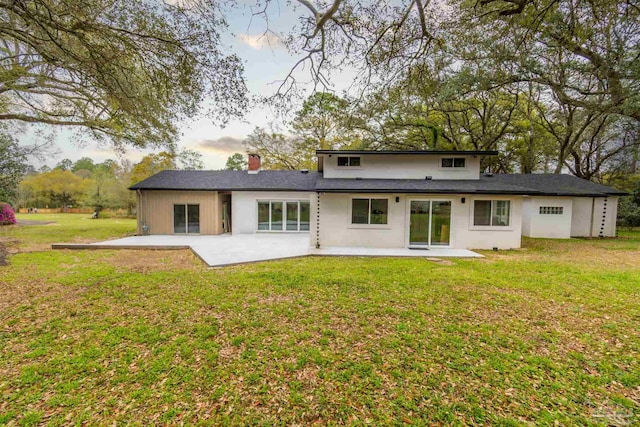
x: 262, y: 41
x: 226, y: 145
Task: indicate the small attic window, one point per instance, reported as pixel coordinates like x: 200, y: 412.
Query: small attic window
x: 348, y: 161
x: 453, y: 162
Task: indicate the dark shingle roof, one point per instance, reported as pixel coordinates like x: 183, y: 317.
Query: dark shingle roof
x: 555, y: 185
x: 448, y: 186
x: 412, y: 152
x: 229, y: 180
x: 532, y: 184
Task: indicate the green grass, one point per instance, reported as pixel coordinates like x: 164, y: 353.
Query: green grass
x: 65, y: 228
x: 546, y: 335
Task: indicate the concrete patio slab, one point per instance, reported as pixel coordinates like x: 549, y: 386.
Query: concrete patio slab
x: 227, y: 249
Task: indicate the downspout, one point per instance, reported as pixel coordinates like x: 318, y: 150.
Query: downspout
x: 604, y: 217
x: 317, y: 220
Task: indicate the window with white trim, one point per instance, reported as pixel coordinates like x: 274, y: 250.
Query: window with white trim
x: 551, y: 210
x: 491, y: 213
x: 283, y: 215
x: 453, y: 162
x: 369, y: 211
x: 348, y: 161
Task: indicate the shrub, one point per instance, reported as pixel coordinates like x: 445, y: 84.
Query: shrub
x: 628, y: 213
x: 7, y: 215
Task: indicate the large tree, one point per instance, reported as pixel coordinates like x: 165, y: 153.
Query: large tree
x: 125, y: 71
x: 151, y: 164
x: 236, y: 162
x: 13, y: 165
x: 56, y: 188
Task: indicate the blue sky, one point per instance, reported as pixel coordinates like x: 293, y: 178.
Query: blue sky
x: 266, y: 61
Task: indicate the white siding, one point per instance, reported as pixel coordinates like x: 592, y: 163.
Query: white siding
x: 471, y: 237
x: 336, y: 229
x: 604, y: 220
x: 553, y: 226
x: 581, y: 217
x: 401, y: 166
x: 244, y: 207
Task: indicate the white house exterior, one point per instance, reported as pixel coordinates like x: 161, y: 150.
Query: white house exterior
x: 400, y: 199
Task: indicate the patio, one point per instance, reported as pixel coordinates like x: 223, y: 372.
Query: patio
x: 228, y: 249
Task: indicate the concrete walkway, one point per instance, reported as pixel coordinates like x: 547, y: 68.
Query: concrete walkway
x: 227, y: 249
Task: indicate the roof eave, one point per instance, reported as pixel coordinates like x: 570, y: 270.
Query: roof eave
x: 419, y: 152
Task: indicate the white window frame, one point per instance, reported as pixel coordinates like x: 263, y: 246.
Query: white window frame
x: 284, y: 215
x: 453, y: 168
x: 348, y: 161
x: 369, y: 226
x: 472, y: 207
x: 452, y: 224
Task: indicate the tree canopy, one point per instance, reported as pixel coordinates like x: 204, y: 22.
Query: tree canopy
x: 123, y: 71
x: 13, y: 165
x: 236, y: 162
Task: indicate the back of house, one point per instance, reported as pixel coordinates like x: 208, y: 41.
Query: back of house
x: 387, y: 199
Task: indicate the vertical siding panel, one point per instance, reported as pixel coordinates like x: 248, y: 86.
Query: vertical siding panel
x: 157, y: 210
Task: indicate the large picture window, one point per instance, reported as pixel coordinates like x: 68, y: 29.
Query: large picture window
x: 369, y: 211
x: 186, y: 219
x: 492, y: 213
x: 283, y: 215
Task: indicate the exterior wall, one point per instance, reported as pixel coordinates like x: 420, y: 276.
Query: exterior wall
x: 471, y: 237
x: 155, y: 209
x: 336, y: 228
x: 401, y: 166
x: 604, y: 220
x: 581, y: 218
x: 550, y: 226
x: 244, y: 207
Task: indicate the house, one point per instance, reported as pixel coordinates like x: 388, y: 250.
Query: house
x: 386, y: 199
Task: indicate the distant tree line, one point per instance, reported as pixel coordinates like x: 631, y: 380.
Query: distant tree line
x: 86, y: 183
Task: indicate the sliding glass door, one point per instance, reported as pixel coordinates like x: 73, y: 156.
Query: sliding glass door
x: 429, y: 223
x: 283, y: 215
x: 186, y: 219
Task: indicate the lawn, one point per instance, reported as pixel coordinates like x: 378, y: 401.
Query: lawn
x: 546, y: 335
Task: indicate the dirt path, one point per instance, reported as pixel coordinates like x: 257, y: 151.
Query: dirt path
x: 32, y: 222
x: 3, y: 254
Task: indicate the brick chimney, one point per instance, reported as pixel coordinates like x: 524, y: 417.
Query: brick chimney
x: 254, y: 163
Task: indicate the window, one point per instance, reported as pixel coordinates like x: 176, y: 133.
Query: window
x: 453, y: 162
x: 551, y: 210
x: 348, y: 161
x: 283, y: 215
x: 493, y: 213
x: 369, y: 211
x: 186, y: 219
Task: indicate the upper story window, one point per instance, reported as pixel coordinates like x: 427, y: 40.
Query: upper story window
x: 453, y: 162
x: 349, y: 161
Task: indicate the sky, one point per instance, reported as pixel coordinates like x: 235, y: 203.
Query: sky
x: 266, y: 61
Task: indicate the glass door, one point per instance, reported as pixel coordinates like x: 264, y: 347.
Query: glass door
x: 429, y: 223
x: 419, y: 223
x: 440, y: 223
